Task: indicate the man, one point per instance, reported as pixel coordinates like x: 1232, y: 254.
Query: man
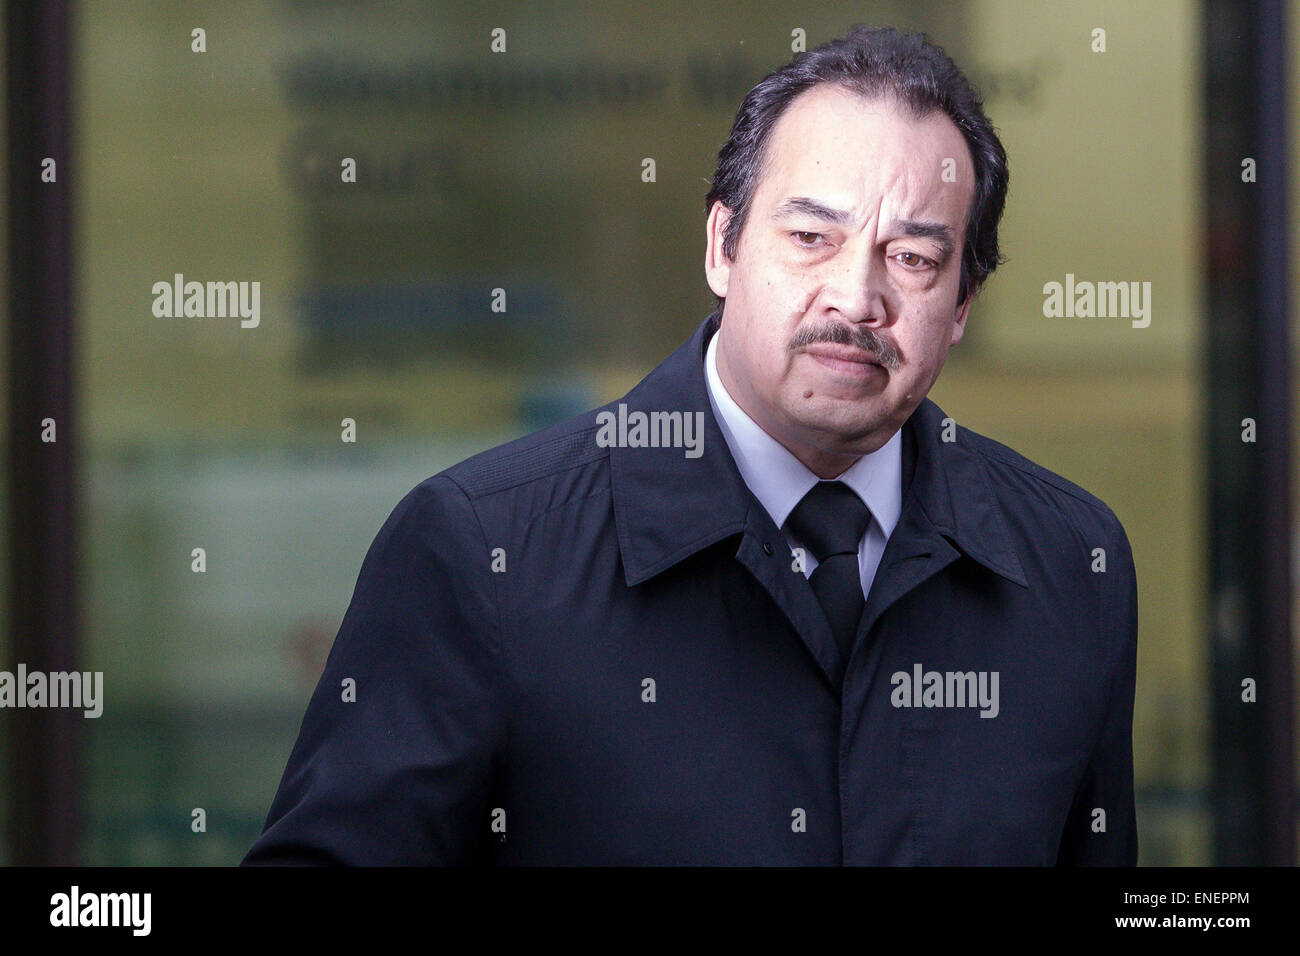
x: 829, y: 627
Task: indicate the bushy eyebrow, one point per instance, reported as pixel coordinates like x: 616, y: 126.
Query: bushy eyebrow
x: 802, y: 205
x: 926, y: 229
x: 913, y: 228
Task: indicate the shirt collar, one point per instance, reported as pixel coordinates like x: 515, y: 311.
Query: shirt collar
x: 779, y: 480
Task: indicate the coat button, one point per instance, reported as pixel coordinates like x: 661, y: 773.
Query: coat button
x: 767, y: 548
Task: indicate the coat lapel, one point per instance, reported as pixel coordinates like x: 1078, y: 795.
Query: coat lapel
x: 939, y: 523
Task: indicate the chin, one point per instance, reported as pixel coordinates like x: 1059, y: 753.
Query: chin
x: 836, y: 433
x: 847, y: 413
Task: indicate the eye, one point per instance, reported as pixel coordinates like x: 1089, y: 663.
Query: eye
x: 799, y: 238
x: 913, y: 261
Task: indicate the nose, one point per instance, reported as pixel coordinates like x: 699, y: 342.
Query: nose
x: 855, y: 286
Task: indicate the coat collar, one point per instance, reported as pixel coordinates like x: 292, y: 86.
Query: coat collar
x: 668, y: 506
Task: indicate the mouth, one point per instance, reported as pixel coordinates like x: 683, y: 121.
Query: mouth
x: 845, y: 360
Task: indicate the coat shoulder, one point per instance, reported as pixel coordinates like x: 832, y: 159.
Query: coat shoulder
x: 1032, y: 486
x: 563, y: 456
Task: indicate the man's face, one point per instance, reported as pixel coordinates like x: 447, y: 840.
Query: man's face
x: 852, y: 246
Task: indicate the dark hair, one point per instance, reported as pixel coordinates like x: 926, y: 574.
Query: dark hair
x: 873, y: 63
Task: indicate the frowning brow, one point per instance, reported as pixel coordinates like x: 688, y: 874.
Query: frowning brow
x: 941, y: 234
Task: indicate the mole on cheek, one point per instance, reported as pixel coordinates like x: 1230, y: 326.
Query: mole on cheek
x: 808, y: 394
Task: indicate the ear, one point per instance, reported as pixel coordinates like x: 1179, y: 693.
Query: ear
x: 959, y: 317
x: 717, y: 267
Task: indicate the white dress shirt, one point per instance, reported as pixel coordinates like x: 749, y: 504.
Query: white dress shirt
x: 779, y: 480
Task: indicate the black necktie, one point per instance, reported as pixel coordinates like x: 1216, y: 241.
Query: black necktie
x: 830, y: 521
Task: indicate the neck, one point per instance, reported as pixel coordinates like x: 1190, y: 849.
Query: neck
x: 822, y: 463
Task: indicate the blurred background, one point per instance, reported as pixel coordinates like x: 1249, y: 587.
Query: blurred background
x: 524, y: 170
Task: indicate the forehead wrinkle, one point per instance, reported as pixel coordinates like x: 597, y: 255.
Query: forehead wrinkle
x: 923, y: 209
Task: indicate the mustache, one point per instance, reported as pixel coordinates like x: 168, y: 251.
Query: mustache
x: 839, y: 333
